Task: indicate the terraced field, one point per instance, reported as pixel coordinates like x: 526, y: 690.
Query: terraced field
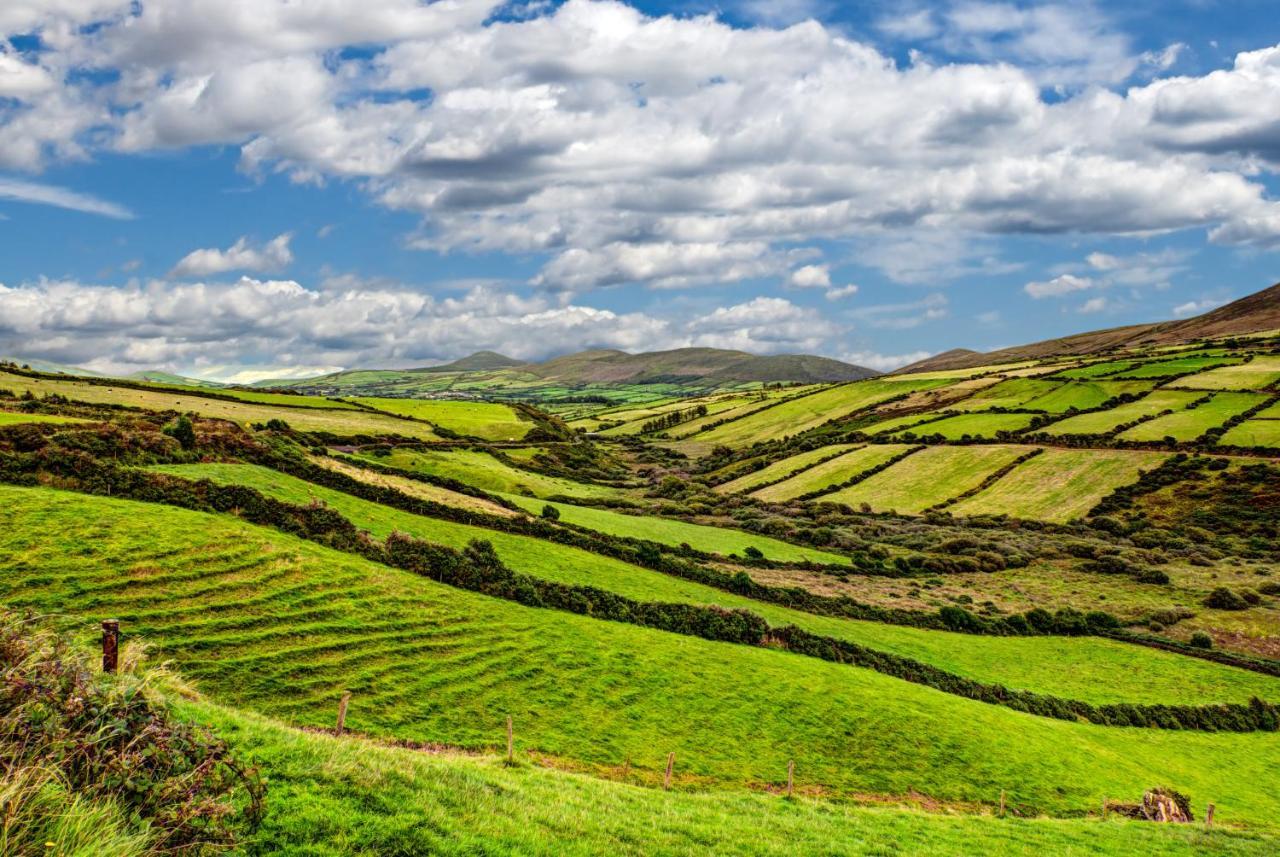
x: 971, y: 425
x: 1101, y: 422
x: 1189, y: 424
x: 1008, y: 394
x: 1059, y: 485
x: 483, y: 471
x: 1257, y: 374
x: 1179, y: 366
x: 277, y: 625
x: 778, y: 469
x: 832, y: 472
x: 1096, y: 370
x: 928, y: 477
x: 342, y: 420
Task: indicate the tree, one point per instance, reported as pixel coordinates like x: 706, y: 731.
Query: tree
x: 551, y: 513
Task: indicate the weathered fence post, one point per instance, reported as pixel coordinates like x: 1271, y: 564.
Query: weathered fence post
x: 791, y: 775
x: 671, y: 763
x: 342, y: 713
x: 1208, y: 816
x: 110, y: 645
x: 511, y: 747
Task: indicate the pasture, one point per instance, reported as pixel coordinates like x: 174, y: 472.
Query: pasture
x: 1253, y: 432
x: 481, y: 470
x: 1190, y: 423
x: 970, y: 425
x: 1101, y: 422
x: 1258, y: 374
x: 787, y: 466
x: 830, y: 473
x: 484, y: 420
x: 928, y: 477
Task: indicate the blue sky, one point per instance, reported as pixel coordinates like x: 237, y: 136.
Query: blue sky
x: 250, y: 187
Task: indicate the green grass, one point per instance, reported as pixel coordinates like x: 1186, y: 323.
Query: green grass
x: 719, y: 540
x: 786, y: 466
x: 342, y: 420
x: 806, y: 412
x: 1095, y: 370
x: 354, y: 798
x: 893, y: 425
x: 412, y: 487
x: 1082, y: 395
x: 1260, y: 372
x: 1010, y: 393
x: 474, y: 419
x: 1101, y: 422
x: 1176, y: 367
x: 264, y: 621
x: 926, y: 478
x: 973, y: 425
x: 1189, y: 424
x: 487, y: 473
x: 1253, y: 432
x: 1059, y: 485
x: 1270, y: 412
x: 831, y: 473
x: 12, y: 418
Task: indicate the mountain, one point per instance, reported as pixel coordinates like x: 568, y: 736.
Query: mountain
x: 481, y: 361
x: 50, y: 367
x: 1255, y: 313
x: 692, y: 364
x: 170, y: 379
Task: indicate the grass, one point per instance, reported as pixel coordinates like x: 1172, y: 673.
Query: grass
x: 1179, y: 366
x: 1260, y: 372
x: 13, y: 418
x: 1189, y: 424
x: 973, y: 425
x: 1253, y: 432
x: 264, y: 621
x: 1082, y: 395
x: 720, y: 540
x: 1059, y: 485
x: 483, y: 471
x: 473, y: 419
x: 1270, y: 412
x: 341, y: 420
x: 784, y: 467
x: 806, y: 412
x: 413, y: 487
x: 1101, y: 422
x: 1010, y: 393
x: 333, y: 796
x: 926, y: 478
x: 831, y: 473
x: 1095, y: 370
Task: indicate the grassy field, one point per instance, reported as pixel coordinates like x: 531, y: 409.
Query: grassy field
x: 1187, y: 425
x: 807, y: 412
x: 13, y: 418
x: 1084, y: 394
x: 1179, y: 366
x: 666, y: 531
x: 1270, y: 412
x: 473, y: 419
x: 927, y: 477
x: 1010, y: 393
x: 413, y: 487
x: 784, y: 467
x: 265, y: 621
x: 1059, y: 485
x: 1101, y: 422
x: 487, y: 473
x: 973, y: 425
x: 1253, y: 432
x: 1261, y: 372
x: 450, y: 803
x: 1096, y: 370
x: 831, y: 472
x: 342, y: 420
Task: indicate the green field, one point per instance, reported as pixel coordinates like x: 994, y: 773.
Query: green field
x: 1257, y: 374
x: 1270, y: 412
x: 1253, y: 432
x: 412, y: 487
x: 1010, y: 393
x: 13, y: 418
x: 1101, y: 422
x: 927, y: 478
x: 262, y: 620
x: 784, y: 467
x: 973, y: 425
x: 1180, y: 366
x: 1059, y: 485
x: 799, y: 415
x: 893, y: 425
x: 1187, y: 425
x: 473, y: 419
x: 483, y: 471
x: 1082, y: 395
x: 1095, y: 370
x: 831, y: 472
x: 342, y: 420
x: 720, y: 540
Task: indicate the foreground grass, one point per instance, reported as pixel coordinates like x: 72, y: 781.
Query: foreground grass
x: 281, y: 626
x: 1080, y: 668
x: 331, y: 796
x: 11, y: 418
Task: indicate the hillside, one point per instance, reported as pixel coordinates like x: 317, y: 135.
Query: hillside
x: 1255, y: 313
x: 692, y: 364
x: 478, y: 362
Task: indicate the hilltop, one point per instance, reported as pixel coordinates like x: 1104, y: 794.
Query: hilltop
x: 686, y: 364
x: 1255, y: 313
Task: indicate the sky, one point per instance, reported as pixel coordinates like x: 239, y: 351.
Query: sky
x: 238, y: 189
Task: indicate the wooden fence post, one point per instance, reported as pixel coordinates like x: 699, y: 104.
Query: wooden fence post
x: 342, y: 713
x: 511, y: 747
x: 1208, y: 816
x: 671, y: 763
x: 791, y: 775
x: 110, y: 645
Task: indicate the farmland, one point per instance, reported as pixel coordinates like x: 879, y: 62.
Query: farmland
x: 833, y: 472
x: 475, y: 419
x: 482, y: 470
x: 927, y: 478
x: 1191, y: 422
x: 1253, y: 433
x: 970, y: 425
x: 1257, y: 374
x: 1100, y: 422
x: 781, y: 469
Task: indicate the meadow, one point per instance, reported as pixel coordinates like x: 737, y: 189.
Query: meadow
x: 1257, y: 374
x: 1191, y: 423
x: 13, y: 418
x: 790, y: 465
x: 484, y: 420
x: 1179, y: 366
x: 483, y: 471
x: 831, y: 473
x: 969, y: 425
x: 1101, y: 422
x: 926, y: 478
x: 1253, y: 432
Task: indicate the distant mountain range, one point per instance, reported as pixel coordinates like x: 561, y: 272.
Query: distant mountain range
x: 1256, y: 313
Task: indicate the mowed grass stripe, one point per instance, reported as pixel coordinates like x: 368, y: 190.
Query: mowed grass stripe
x: 1189, y: 424
x: 784, y: 467
x: 831, y: 473
x: 1059, y: 485
x: 599, y: 692
x: 1101, y: 422
x: 927, y: 478
x: 979, y: 657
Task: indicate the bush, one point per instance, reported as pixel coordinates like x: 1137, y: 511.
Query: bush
x: 1201, y: 640
x: 753, y: 552
x: 1224, y: 599
x: 551, y: 513
x: 182, y: 431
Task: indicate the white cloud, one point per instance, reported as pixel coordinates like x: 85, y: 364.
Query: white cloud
x: 904, y: 316
x: 1196, y: 307
x: 240, y: 256
x: 43, y: 194
x: 1093, y: 305
x: 841, y: 292
x: 1058, y: 286
x: 810, y: 277
x: 884, y: 362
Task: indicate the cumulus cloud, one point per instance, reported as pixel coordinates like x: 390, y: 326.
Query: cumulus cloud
x: 1190, y: 308
x: 841, y: 292
x: 43, y: 194
x: 810, y: 277
x: 1063, y: 284
x: 193, y: 327
x: 1093, y: 305
x: 240, y: 256
x: 884, y: 362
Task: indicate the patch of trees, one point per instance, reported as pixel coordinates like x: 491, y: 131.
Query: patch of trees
x: 672, y: 419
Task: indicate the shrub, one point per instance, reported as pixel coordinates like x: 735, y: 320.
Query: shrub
x: 753, y: 552
x: 182, y: 431
x: 1224, y: 599
x: 1201, y: 640
x: 551, y: 513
